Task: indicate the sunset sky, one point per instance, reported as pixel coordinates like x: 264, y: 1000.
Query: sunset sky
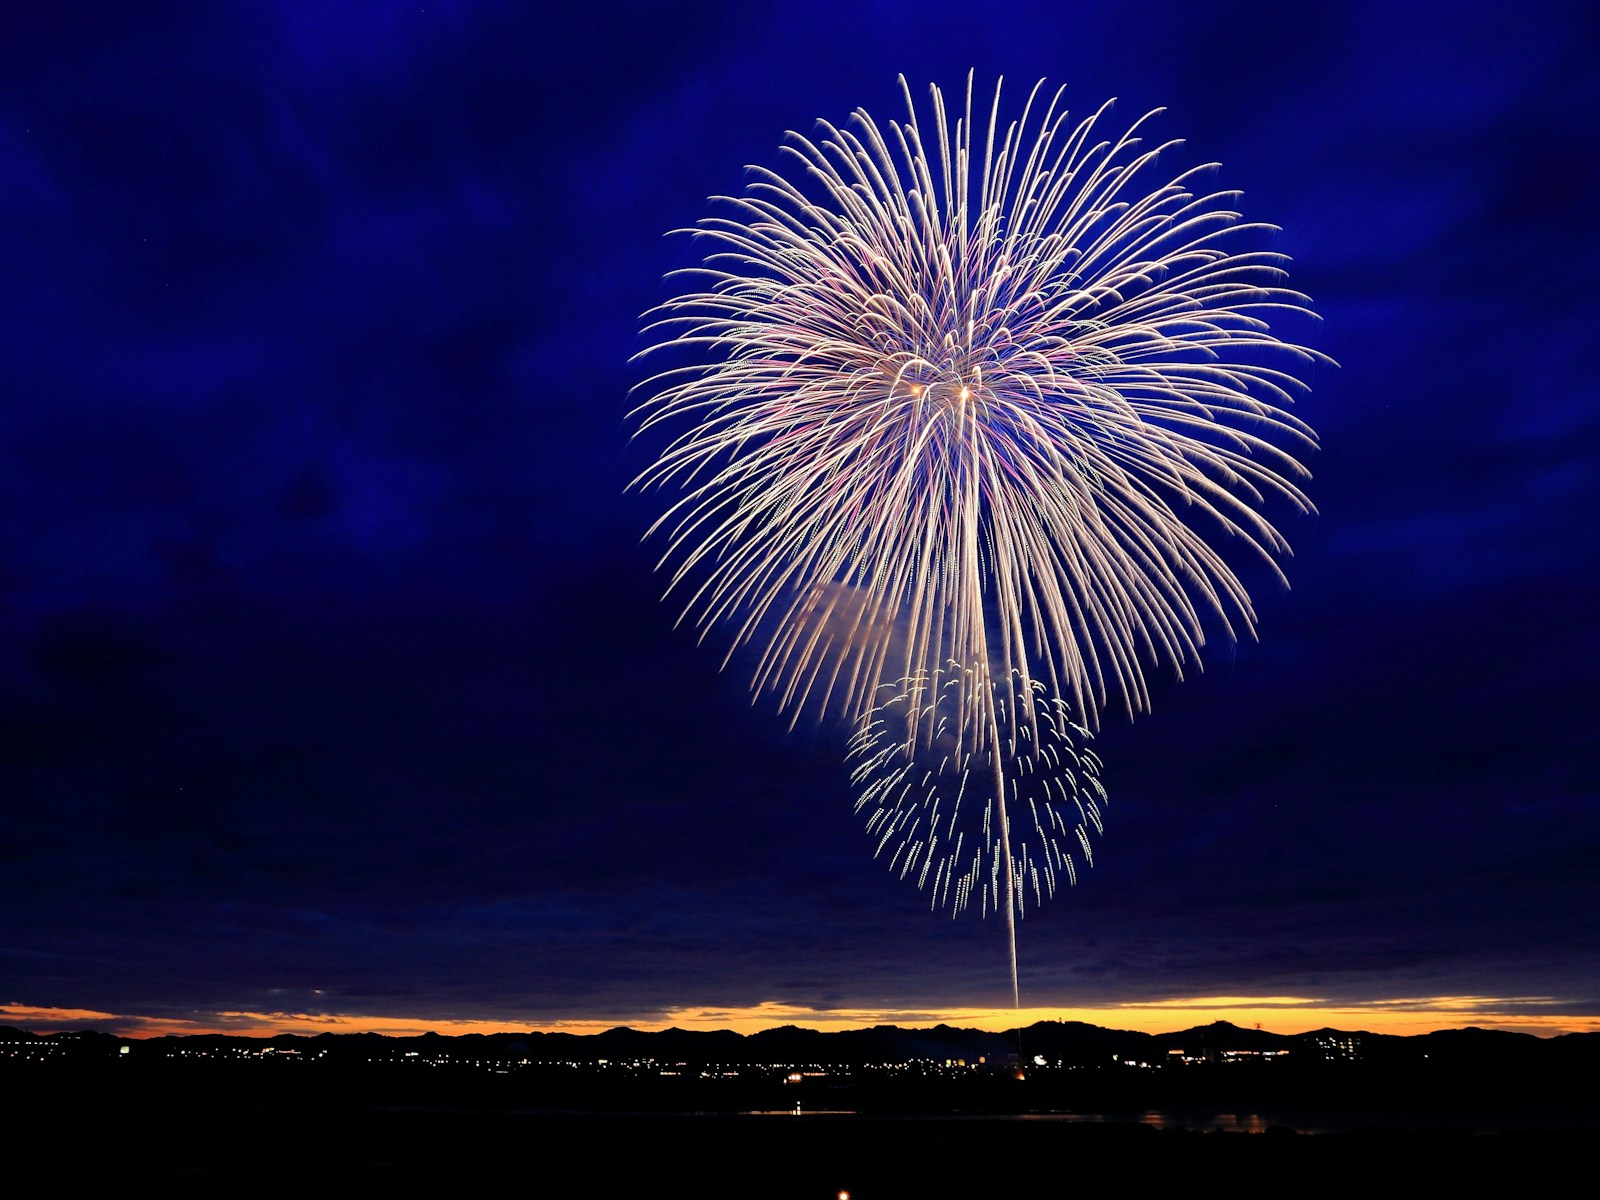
x: 335, y: 687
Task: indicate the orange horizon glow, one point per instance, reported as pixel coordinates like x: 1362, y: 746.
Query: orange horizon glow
x: 1275, y: 1014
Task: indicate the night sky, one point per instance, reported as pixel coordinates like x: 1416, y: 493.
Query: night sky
x: 335, y: 686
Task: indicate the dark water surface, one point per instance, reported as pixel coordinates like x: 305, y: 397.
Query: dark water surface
x: 779, y: 1155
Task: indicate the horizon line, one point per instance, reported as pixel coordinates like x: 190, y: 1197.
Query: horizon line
x: 1540, y: 1016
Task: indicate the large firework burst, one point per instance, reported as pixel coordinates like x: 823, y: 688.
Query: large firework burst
x: 974, y: 401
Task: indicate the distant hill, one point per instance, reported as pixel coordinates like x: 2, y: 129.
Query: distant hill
x: 1064, y: 1043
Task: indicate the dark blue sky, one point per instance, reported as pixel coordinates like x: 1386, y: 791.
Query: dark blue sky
x: 333, y: 676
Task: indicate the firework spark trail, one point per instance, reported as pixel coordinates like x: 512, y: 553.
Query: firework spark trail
x: 972, y: 394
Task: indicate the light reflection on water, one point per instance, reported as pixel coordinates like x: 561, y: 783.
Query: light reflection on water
x: 1202, y: 1120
